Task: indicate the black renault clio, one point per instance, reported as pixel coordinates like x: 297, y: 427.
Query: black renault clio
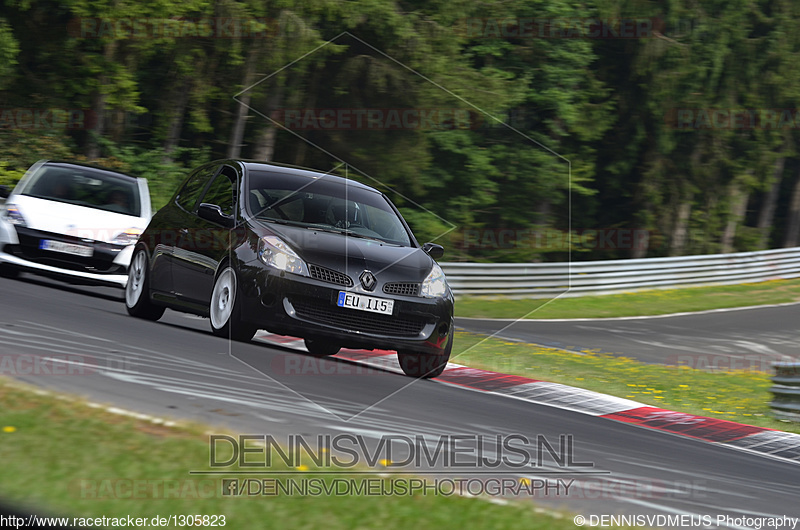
x: 296, y: 252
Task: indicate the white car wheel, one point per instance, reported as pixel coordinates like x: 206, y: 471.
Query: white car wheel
x: 222, y: 299
x: 136, y: 276
x: 137, y: 290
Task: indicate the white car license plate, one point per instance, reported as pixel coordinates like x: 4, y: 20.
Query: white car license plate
x: 365, y: 303
x: 66, y: 248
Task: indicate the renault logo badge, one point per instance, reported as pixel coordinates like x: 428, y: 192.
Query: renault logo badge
x: 368, y: 280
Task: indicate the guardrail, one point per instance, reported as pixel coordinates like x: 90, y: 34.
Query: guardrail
x: 786, y: 391
x: 546, y: 280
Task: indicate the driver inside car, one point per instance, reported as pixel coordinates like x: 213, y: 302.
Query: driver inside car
x: 344, y: 214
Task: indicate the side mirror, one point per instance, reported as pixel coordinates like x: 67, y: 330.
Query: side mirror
x: 433, y: 250
x: 213, y: 213
x: 4, y: 192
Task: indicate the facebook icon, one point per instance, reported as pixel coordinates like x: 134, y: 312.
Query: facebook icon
x: 230, y: 486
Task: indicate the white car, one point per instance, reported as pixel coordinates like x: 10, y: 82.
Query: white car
x: 73, y: 221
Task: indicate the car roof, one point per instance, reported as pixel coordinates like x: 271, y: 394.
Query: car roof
x: 256, y: 165
x: 64, y: 163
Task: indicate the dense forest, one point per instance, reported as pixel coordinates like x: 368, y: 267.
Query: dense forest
x: 507, y: 131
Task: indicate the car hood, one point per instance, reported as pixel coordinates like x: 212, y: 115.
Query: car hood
x: 73, y: 220
x: 353, y: 255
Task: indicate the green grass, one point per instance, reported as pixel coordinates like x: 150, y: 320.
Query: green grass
x: 56, y: 451
x: 654, y: 302
x: 741, y: 396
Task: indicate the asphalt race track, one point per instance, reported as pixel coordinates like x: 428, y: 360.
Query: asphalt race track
x: 740, y: 338
x: 176, y: 369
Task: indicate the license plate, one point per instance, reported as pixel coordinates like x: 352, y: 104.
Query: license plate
x: 66, y: 248
x: 365, y: 303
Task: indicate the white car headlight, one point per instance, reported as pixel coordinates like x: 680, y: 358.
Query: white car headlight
x: 14, y: 216
x: 275, y: 253
x: 435, y: 284
x: 128, y: 237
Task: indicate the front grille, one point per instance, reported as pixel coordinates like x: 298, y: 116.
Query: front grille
x: 74, y: 263
x: 327, y: 275
x: 102, y: 261
x: 354, y: 320
x: 404, y: 289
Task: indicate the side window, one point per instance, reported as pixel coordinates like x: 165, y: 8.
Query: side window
x: 187, y: 197
x: 222, y: 192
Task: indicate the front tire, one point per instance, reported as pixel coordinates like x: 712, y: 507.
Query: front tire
x: 225, y: 309
x: 321, y: 348
x: 137, y: 290
x: 8, y: 271
x: 424, y: 365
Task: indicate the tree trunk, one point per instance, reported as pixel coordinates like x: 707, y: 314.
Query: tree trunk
x: 99, y: 106
x: 264, y: 148
x: 641, y: 243
x: 242, y: 106
x: 680, y: 228
x: 116, y: 125
x: 99, y: 111
x: 793, y: 224
x: 176, y: 123
x: 311, y: 100
x: 767, y: 213
x: 738, y: 202
x: 642, y: 224
x: 542, y: 212
x: 643, y: 221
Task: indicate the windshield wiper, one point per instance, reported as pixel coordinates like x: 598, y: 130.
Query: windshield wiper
x: 280, y: 221
x: 362, y: 236
x: 331, y: 230
x: 343, y: 231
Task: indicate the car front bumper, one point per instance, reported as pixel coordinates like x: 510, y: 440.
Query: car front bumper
x: 20, y: 247
x: 289, y: 304
x: 119, y: 280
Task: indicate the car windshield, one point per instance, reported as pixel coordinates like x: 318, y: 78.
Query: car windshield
x: 325, y: 204
x: 85, y: 187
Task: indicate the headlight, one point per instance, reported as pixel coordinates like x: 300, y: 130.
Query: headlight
x: 14, y: 216
x: 435, y: 284
x: 275, y: 253
x: 128, y: 237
